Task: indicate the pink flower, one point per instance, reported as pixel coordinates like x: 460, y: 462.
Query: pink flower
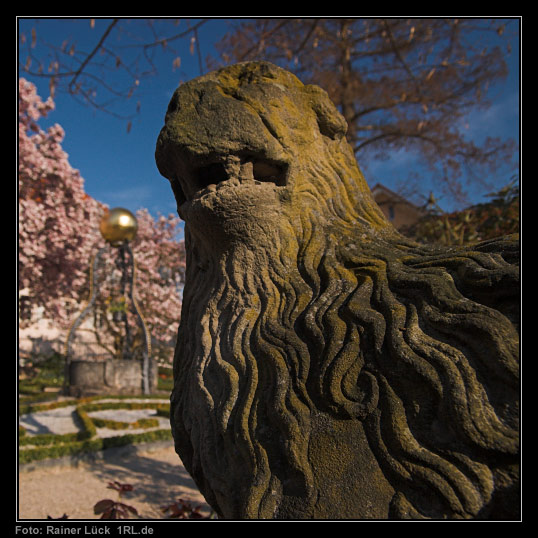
x: 59, y: 231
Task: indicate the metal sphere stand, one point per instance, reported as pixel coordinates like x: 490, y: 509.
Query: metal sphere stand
x: 118, y: 227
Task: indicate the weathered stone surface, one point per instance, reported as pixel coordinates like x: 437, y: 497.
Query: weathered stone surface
x: 326, y: 366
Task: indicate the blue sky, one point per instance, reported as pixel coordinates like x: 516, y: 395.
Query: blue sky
x: 119, y: 166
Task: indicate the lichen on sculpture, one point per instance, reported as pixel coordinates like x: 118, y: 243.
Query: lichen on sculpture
x: 326, y: 366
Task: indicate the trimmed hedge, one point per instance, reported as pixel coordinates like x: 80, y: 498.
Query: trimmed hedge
x: 55, y: 446
x: 119, y: 425
x: 26, y: 404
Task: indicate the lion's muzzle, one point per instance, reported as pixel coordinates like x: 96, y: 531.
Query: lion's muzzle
x: 226, y: 172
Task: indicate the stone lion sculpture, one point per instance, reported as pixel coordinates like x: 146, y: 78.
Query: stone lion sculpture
x: 326, y: 366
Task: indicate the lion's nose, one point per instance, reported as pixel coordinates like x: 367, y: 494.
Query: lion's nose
x: 242, y: 169
x: 232, y: 165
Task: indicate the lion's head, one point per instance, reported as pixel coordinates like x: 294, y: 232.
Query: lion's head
x: 325, y: 365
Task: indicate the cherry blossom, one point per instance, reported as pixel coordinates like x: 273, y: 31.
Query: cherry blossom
x: 59, y: 233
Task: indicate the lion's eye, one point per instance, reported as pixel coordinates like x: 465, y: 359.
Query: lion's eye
x: 211, y: 174
x: 265, y: 171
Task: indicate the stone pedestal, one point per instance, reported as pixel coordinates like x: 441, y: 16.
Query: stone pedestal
x: 90, y: 378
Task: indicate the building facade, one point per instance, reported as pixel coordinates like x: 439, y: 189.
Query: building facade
x: 399, y: 211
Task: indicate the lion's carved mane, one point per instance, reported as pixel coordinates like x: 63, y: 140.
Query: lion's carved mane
x: 327, y: 367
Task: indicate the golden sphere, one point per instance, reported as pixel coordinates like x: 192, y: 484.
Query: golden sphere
x: 118, y: 225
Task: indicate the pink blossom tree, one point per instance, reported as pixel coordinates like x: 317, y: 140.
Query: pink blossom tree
x: 160, y: 261
x: 59, y: 233
x: 58, y: 221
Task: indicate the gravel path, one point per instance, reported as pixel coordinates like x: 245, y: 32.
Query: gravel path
x: 157, y: 474
x: 66, y: 486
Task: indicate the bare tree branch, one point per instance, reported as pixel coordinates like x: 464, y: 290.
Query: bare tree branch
x: 400, y: 83
x: 93, y: 53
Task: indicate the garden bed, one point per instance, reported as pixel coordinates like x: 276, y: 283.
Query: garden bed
x: 34, y: 447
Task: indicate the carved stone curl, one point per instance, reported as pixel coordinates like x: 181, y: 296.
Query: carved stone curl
x: 326, y: 366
